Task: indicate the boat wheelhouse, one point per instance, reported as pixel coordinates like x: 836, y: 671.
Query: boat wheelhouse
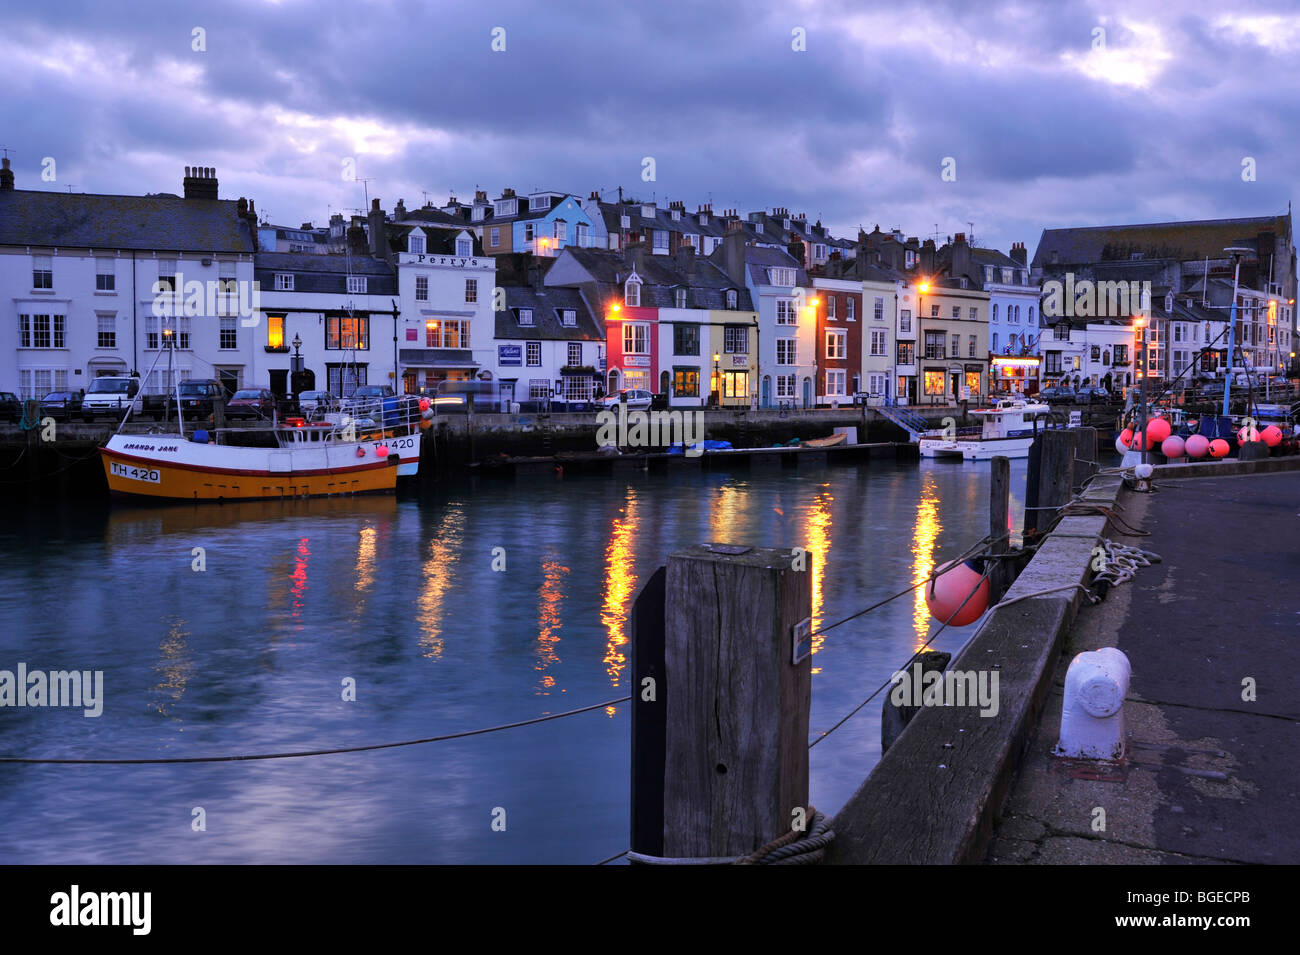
x: 1007, y: 430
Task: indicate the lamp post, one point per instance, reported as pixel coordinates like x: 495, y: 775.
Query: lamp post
x: 1235, y: 251
x: 921, y: 289
x: 717, y: 380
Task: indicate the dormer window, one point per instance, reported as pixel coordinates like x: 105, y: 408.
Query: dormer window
x: 568, y: 317
x: 478, y: 213
x: 625, y: 222
x: 785, y: 224
x: 677, y: 215
x: 464, y: 248
x: 415, y: 244
x: 1169, y: 302
x: 632, y: 291
x: 733, y: 299
x: 506, y: 207
x: 647, y: 212
x: 758, y: 227
x: 680, y: 297
x: 704, y: 218
x: 988, y: 273
x: 539, y: 202
x: 525, y: 316
x: 1006, y: 276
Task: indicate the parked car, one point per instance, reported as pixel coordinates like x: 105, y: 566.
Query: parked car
x: 61, y: 405
x: 1092, y: 394
x: 11, y: 407
x: 1057, y: 395
x: 317, y: 402
x: 255, y: 403
x: 637, y: 400
x: 197, y: 396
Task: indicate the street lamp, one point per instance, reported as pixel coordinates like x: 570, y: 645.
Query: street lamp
x: 297, y: 344
x: 717, y: 379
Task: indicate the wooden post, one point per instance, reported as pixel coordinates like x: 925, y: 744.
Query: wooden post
x: 894, y: 719
x: 1055, y: 474
x: 999, y: 525
x: 720, y: 710
x: 1085, y: 455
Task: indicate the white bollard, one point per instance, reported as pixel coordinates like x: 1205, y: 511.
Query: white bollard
x: 1092, y: 720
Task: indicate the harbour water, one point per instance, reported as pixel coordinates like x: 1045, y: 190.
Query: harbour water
x: 253, y: 653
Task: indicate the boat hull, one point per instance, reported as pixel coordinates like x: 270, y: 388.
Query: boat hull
x: 173, y: 468
x: 976, y: 449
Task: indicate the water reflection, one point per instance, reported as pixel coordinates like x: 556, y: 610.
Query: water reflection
x: 549, y: 597
x: 816, y: 532
x: 366, y: 541
x: 173, y: 669
x: 620, y: 583
x: 925, y: 532
x: 445, y: 546
x: 298, y: 589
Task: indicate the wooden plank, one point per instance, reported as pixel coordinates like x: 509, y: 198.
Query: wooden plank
x: 649, y: 716
x: 1000, y: 525
x: 736, y: 760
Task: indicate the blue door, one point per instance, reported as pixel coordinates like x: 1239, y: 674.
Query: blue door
x: 807, y: 393
x: 767, y: 392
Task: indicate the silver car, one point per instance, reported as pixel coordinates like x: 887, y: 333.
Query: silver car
x: 317, y: 402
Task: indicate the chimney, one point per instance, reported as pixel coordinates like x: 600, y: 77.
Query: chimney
x: 399, y: 211
x: 480, y: 195
x: 378, y: 236
x: 357, y: 237
x: 733, y: 256
x: 1018, y: 253
x: 636, y: 253
x: 960, y: 255
x: 307, y: 227
x: 927, y: 257
x: 6, y: 174
x: 686, y: 262
x: 244, y: 210
x: 200, y: 182
x: 795, y: 248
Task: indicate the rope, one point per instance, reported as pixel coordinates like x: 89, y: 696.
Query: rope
x: 314, y: 752
x: 796, y: 848
x: 613, y: 858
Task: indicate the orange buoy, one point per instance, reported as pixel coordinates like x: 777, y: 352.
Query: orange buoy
x: 949, y: 590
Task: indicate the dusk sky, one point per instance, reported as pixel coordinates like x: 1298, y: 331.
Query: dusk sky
x: 1050, y: 123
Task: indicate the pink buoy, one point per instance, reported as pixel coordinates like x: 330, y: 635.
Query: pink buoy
x: 1126, y: 437
x: 1247, y: 434
x: 1219, y: 448
x: 1172, y: 447
x: 1271, y: 436
x: 361, y: 452
x: 1197, y: 446
x: 1120, y: 446
x: 424, y: 404
x: 1159, y: 429
x: 1136, y: 443
x: 948, y: 591
x: 381, y: 451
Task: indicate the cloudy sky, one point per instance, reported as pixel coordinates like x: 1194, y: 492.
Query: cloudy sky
x: 1055, y: 113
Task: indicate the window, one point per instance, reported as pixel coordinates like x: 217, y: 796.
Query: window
x: 1053, y: 363
x: 733, y: 298
x: 636, y: 380
x: 578, y: 387
x: 275, y: 331
x: 993, y: 317
x: 575, y: 354
x: 422, y: 288
x: 735, y: 341
x: 107, y: 323
x: 679, y: 297
x: 494, y: 237
x: 850, y: 310
x: 283, y: 282
x: 344, y: 380
x: 41, y: 331
x: 686, y: 339
x: 1121, y: 354
x: 357, y: 284
x: 1096, y: 353
x: 534, y: 354
x: 956, y: 311
x: 471, y: 290
x: 525, y: 316
x: 906, y: 353
x: 226, y: 281
x: 836, y: 340
x: 686, y: 382
x: 934, y: 384
x: 1031, y: 314
x: 835, y: 382
x: 582, y: 235
x: 625, y: 222
x: 785, y: 314
x: 446, y: 333
x: 661, y: 239
x: 956, y: 346
x: 905, y: 321
x: 830, y: 307
x: 636, y: 339
x: 934, y: 344
x: 42, y: 271
x: 781, y: 277
x: 415, y: 244
x: 971, y: 346
x: 876, y: 383
x: 973, y: 314
x: 342, y: 331
x: 39, y: 382
x: 973, y: 382
x: 786, y: 351
x: 632, y: 292
x: 1061, y: 331
x: 539, y: 202
x: 528, y: 232
x: 105, y: 279
x: 785, y: 386
x: 228, y: 334
x: 735, y: 384
x: 464, y: 248
x: 993, y: 342
x: 568, y: 317
x: 878, y: 343
x: 539, y: 388
x: 934, y: 311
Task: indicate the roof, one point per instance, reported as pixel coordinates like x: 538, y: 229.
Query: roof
x: 1173, y: 240
x: 155, y: 222
x: 661, y: 276
x: 546, y: 303
x: 314, y: 272
x: 758, y: 259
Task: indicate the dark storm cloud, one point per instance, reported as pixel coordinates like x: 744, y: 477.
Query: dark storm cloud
x: 1044, y: 129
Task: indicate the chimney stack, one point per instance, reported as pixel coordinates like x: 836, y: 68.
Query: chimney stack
x: 200, y: 182
x: 960, y: 255
x: 927, y: 257
x: 378, y: 232
x: 6, y: 174
x: 1018, y: 253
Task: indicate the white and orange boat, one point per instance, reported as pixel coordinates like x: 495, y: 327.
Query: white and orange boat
x: 293, y: 459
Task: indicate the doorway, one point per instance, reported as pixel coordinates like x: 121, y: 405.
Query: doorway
x: 280, y: 382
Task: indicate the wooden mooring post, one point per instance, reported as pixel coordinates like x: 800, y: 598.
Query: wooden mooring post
x: 1051, y: 481
x: 1000, y: 526
x: 721, y: 687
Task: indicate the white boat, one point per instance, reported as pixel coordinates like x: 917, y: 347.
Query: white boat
x: 1007, y: 430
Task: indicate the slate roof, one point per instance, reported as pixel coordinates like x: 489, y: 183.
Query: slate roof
x: 1170, y: 240
x: 759, y: 259
x: 438, y: 240
x: 157, y: 222
x: 661, y: 275
x: 313, y: 272
x: 547, y: 325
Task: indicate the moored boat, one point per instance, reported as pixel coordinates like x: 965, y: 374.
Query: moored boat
x: 1007, y: 430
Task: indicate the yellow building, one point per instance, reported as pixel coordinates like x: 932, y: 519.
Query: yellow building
x: 952, y: 343
x: 733, y: 357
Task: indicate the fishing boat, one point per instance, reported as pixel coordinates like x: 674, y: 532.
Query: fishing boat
x: 295, y: 458
x: 1007, y: 430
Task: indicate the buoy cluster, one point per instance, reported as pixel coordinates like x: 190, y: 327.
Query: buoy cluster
x: 1194, y: 446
